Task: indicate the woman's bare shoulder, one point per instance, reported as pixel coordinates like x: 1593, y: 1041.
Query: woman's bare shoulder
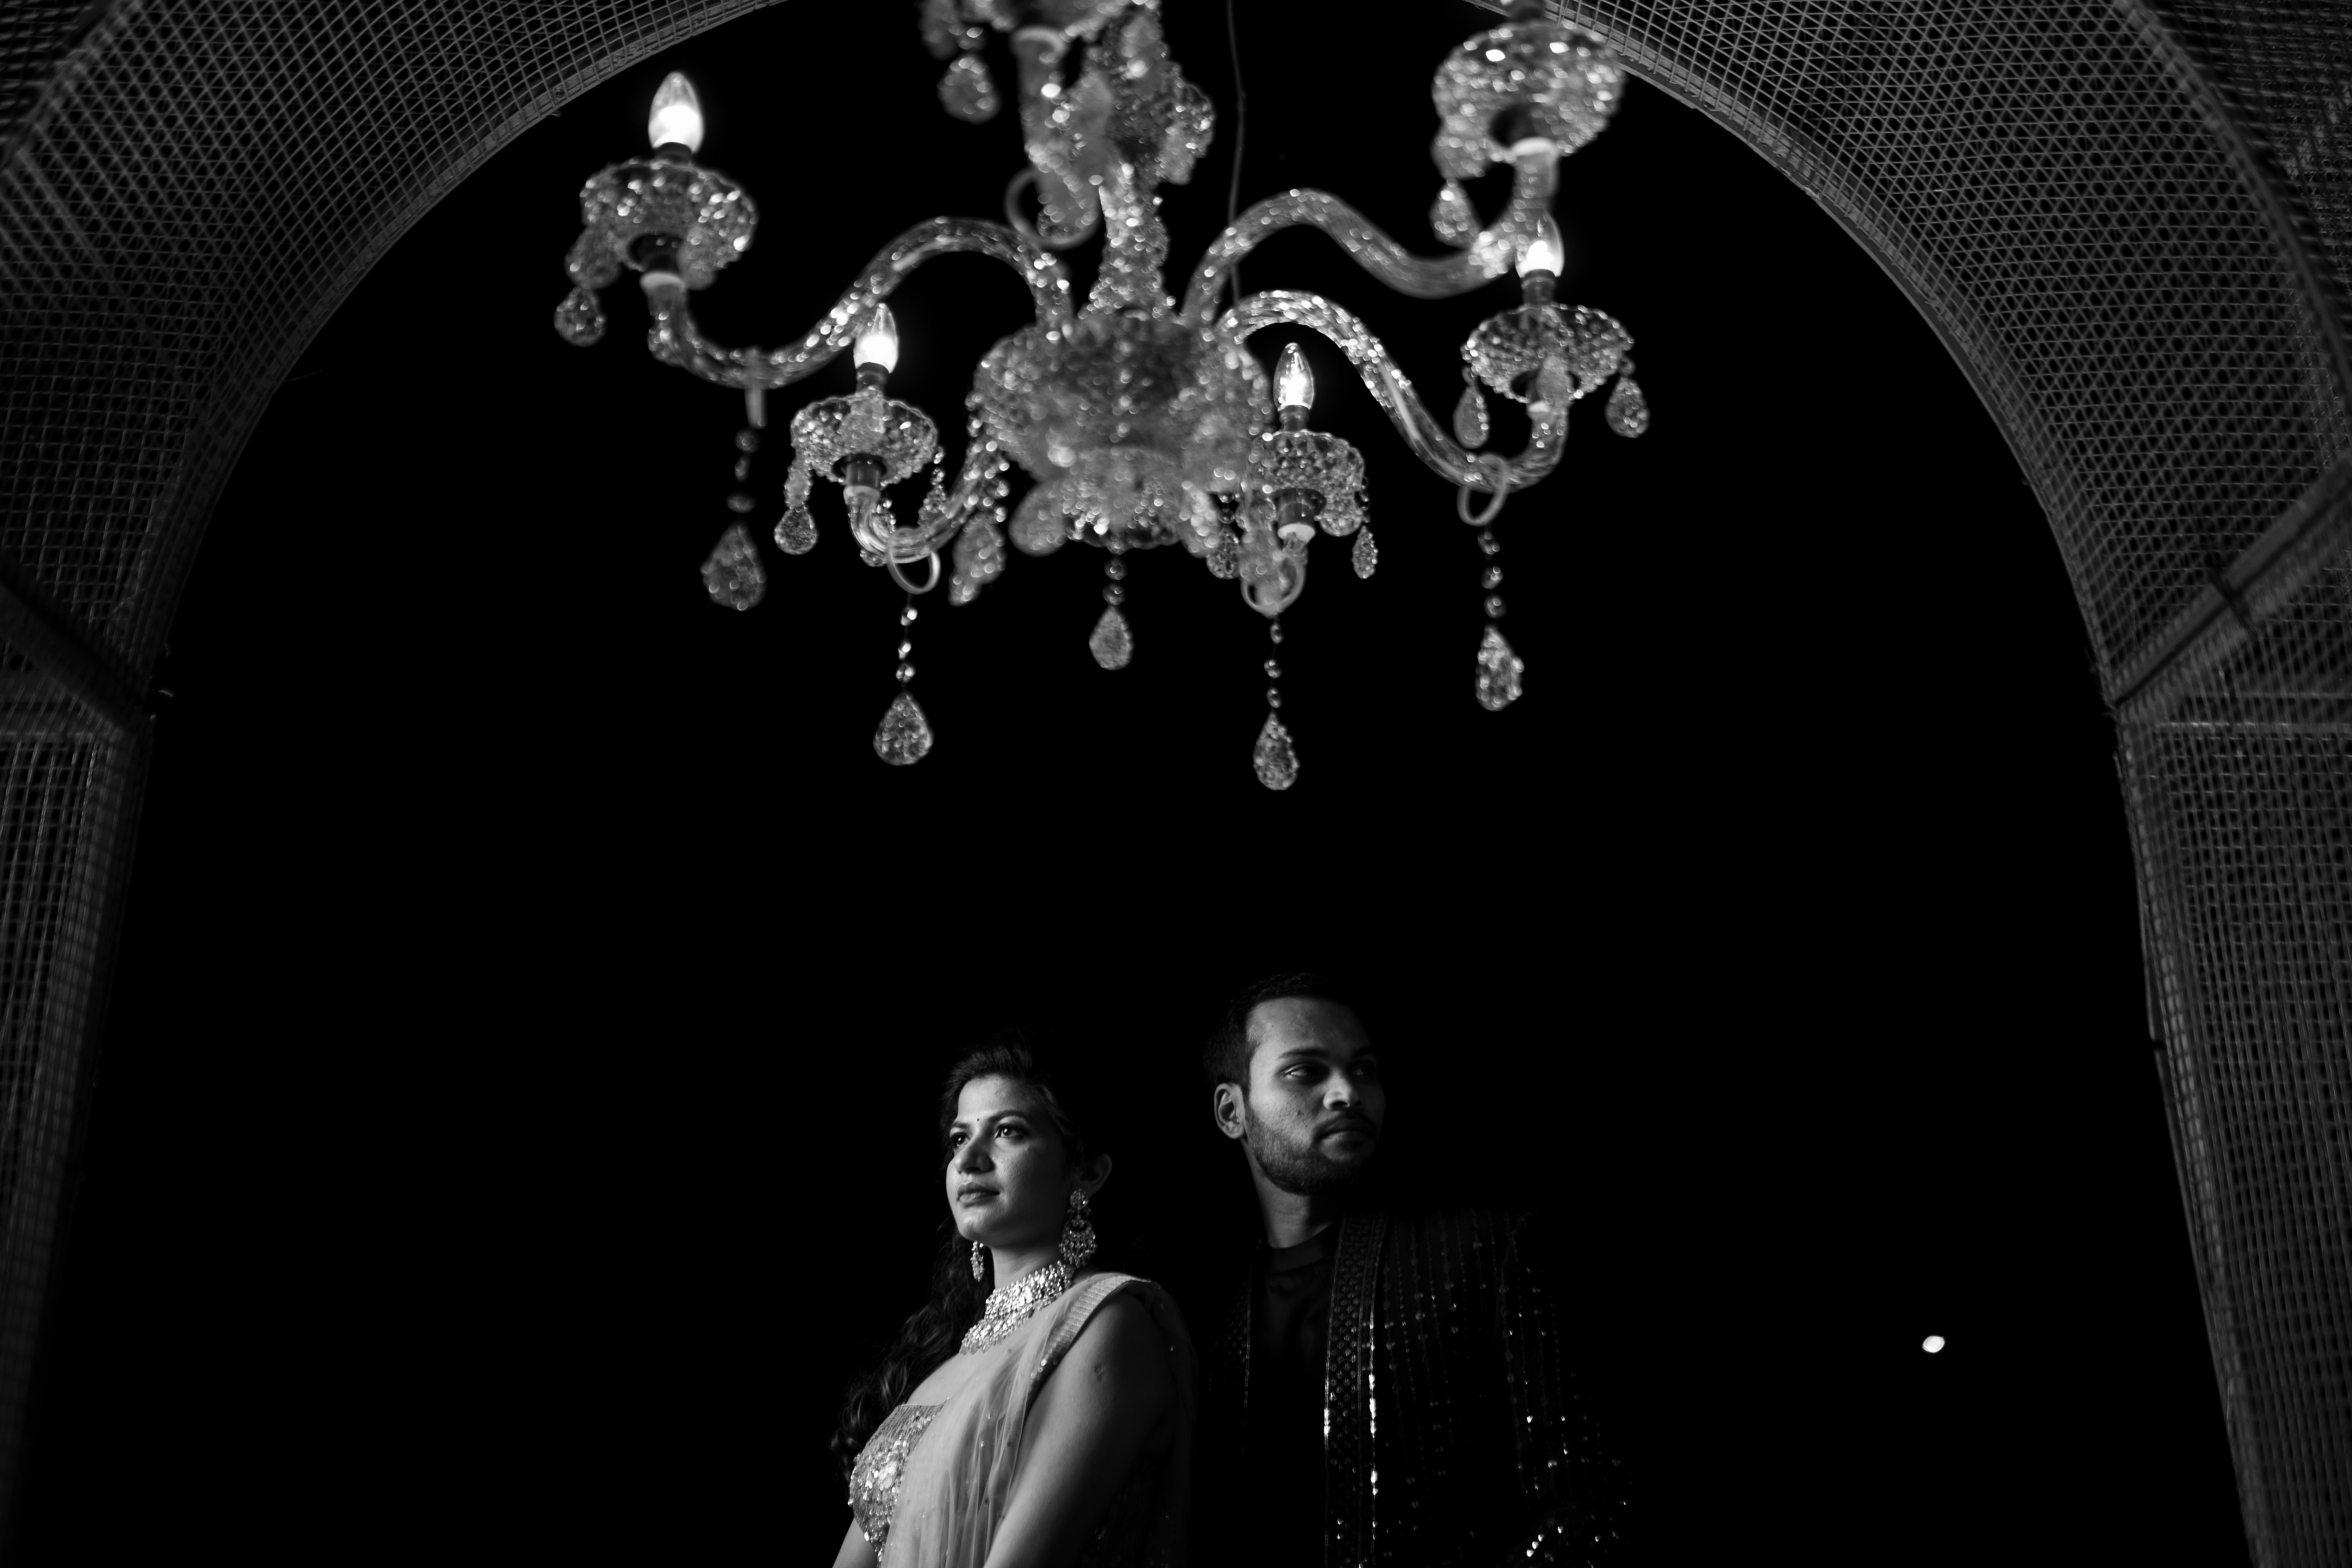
x: 1124, y: 1316
x: 1122, y: 1339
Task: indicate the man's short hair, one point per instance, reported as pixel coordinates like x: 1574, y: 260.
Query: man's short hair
x: 1226, y: 1055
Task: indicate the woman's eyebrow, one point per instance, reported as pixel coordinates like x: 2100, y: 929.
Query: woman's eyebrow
x: 991, y: 1116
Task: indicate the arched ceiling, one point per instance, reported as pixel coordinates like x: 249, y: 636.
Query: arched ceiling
x: 2130, y: 222
x: 2064, y: 190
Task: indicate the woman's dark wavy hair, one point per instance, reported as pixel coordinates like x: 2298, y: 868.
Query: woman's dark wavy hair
x: 935, y: 1327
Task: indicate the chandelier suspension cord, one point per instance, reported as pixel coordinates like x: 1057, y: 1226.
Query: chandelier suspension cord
x: 1241, y: 129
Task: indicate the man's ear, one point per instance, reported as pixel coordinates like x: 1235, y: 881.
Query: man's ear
x: 1226, y: 1109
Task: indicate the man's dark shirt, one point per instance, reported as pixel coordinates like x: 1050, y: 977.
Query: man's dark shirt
x: 1417, y: 1385
x: 1290, y: 1322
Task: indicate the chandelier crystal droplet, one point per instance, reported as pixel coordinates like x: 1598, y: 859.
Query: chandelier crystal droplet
x: 1273, y: 757
x: 1470, y: 417
x: 1138, y: 420
x: 580, y: 319
x: 905, y: 737
x: 733, y: 574
x: 1499, y: 670
x: 796, y: 530
x: 1112, y: 643
x: 1450, y: 217
x: 1627, y: 411
x: 969, y: 93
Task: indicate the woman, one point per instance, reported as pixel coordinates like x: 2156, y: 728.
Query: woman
x: 1036, y: 1412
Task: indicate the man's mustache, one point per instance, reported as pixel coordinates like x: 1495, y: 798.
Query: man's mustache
x: 1340, y: 1124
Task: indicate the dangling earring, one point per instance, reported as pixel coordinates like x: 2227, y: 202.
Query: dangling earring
x: 979, y: 1261
x: 1078, y: 1231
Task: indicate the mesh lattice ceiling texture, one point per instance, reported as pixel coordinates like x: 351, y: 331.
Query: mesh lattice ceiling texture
x: 2129, y: 222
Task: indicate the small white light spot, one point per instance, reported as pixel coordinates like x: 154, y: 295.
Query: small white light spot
x: 1496, y: 55
x: 1932, y: 1344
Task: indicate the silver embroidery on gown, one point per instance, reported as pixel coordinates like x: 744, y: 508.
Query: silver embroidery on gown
x: 881, y: 1466
x: 941, y: 1507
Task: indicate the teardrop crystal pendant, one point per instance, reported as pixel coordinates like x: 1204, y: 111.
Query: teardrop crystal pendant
x: 1628, y: 410
x: 1113, y: 644
x: 733, y: 573
x: 968, y: 92
x: 580, y: 320
x: 796, y: 533
x: 1224, y: 558
x: 1450, y: 217
x: 1470, y: 418
x: 905, y: 737
x: 1498, y: 672
x: 1275, y: 761
x: 1366, y: 555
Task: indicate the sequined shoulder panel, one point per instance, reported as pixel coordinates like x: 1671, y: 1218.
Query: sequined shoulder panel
x: 1350, y: 1394
x: 881, y: 1466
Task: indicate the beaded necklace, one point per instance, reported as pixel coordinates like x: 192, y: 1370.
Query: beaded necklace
x: 1005, y: 1309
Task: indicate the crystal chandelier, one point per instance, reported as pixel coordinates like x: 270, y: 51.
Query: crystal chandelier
x: 1139, y: 421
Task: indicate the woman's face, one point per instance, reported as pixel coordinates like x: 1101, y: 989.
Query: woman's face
x: 1008, y: 1176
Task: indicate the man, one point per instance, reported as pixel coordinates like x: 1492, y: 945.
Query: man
x: 1385, y: 1387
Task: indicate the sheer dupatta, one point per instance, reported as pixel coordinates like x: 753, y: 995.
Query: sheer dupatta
x: 960, y: 1478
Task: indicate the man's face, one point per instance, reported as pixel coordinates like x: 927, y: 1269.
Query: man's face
x: 1311, y: 1116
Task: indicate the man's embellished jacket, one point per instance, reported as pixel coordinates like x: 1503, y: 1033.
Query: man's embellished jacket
x: 1455, y: 1428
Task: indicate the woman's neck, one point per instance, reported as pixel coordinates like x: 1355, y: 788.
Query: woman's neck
x: 1011, y: 1265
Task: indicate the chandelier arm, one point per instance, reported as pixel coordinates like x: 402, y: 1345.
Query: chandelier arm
x: 673, y: 338
x: 1493, y: 253
x: 974, y: 495
x: 978, y: 493
x: 1394, y: 393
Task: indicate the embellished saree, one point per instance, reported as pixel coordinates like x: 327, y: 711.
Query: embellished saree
x: 934, y: 1481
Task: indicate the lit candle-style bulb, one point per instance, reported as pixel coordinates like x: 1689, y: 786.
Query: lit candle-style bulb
x: 1545, y: 253
x: 877, y: 343
x: 1294, y: 383
x: 678, y: 114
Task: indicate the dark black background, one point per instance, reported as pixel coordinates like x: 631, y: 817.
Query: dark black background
x: 514, y: 1121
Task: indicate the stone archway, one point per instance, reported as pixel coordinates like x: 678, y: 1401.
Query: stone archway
x: 2129, y: 224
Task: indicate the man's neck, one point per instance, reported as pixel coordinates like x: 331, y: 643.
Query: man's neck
x: 1294, y: 1218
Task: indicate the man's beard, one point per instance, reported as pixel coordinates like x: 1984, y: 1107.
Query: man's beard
x: 1306, y: 1170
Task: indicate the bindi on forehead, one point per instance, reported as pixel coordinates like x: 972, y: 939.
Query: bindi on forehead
x: 995, y: 1098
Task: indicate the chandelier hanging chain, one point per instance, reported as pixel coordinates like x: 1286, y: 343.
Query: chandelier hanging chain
x: 1241, y: 135
x: 1140, y: 422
